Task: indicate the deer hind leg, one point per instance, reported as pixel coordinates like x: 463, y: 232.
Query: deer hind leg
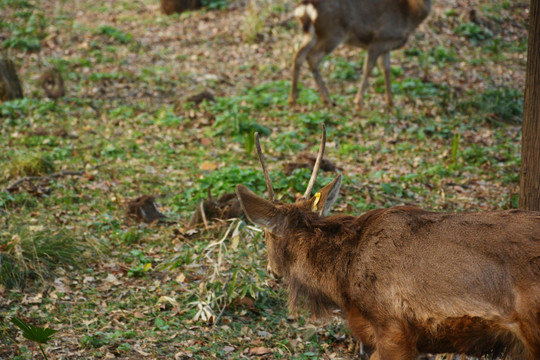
x: 364, y: 352
x: 299, y: 58
x: 394, y: 342
x: 322, y: 48
x: 384, y: 62
x: 530, y: 331
x: 369, y: 63
x: 362, y: 331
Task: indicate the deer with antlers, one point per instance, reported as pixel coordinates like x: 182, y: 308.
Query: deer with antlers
x: 408, y: 281
x: 379, y: 26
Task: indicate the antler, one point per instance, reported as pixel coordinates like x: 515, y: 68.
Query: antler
x: 265, y: 171
x: 317, y: 164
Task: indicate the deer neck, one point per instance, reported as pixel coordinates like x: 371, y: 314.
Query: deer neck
x: 318, y: 275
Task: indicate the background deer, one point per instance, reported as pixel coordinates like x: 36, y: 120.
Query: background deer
x: 408, y: 281
x: 378, y: 26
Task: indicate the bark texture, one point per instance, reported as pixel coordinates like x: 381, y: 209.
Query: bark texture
x: 10, y: 86
x: 529, y: 198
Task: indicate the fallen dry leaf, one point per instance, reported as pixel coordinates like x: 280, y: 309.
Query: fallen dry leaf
x: 111, y: 279
x: 206, y: 141
x: 259, y: 351
x: 207, y: 165
x: 138, y: 315
x: 168, y: 299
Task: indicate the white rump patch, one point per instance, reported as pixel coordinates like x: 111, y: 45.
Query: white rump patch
x: 308, y: 10
x: 312, y: 12
x: 300, y: 11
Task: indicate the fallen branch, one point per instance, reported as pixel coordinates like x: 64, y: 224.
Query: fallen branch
x: 60, y: 174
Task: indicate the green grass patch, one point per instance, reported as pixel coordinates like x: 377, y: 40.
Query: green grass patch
x: 37, y: 251
x: 473, y: 32
x: 30, y: 164
x: 26, y: 27
x: 114, y: 34
x: 497, y: 105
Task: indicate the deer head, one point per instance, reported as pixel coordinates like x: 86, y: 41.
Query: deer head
x: 280, y: 220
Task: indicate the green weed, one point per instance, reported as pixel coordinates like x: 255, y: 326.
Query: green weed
x: 234, y: 115
x: 417, y: 89
x: 226, y: 180
x: 498, y: 105
x: 34, y: 333
x: 141, y: 264
x: 215, y: 4
x: 473, y: 32
x: 345, y: 70
x: 100, y: 339
x: 115, y: 34
x: 27, y: 30
x: 21, y: 111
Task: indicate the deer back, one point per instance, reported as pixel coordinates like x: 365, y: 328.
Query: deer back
x: 475, y: 263
x: 365, y: 22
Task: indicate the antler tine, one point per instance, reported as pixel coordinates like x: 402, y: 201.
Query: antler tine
x: 317, y: 164
x: 265, y: 171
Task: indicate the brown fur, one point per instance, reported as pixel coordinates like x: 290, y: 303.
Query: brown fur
x: 411, y: 281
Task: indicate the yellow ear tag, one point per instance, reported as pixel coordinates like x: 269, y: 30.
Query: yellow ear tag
x: 317, y: 198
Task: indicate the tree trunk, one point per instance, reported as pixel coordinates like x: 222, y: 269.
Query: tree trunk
x: 10, y: 86
x: 529, y: 198
x: 177, y: 6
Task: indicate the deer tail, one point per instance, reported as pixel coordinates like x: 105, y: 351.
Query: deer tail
x: 306, y: 13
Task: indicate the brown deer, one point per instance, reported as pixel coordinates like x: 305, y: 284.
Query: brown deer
x: 408, y: 281
x: 379, y: 26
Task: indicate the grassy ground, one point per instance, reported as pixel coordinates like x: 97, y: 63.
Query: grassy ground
x: 115, y: 289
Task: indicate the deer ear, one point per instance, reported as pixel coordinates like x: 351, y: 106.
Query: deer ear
x: 325, y: 198
x: 259, y: 211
